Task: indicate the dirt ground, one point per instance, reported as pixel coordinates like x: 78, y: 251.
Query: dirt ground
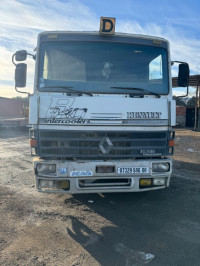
x: 158, y: 228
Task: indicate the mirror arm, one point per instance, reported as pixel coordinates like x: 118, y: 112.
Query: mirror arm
x: 179, y: 62
x: 22, y: 91
x: 184, y: 95
x: 13, y: 59
x: 33, y: 56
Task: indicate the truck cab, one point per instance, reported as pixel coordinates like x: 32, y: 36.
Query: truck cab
x: 101, y: 113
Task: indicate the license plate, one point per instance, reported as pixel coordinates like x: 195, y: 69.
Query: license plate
x: 133, y: 170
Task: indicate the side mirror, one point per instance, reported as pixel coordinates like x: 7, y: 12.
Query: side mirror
x: 21, y: 55
x: 20, y: 75
x: 183, y: 75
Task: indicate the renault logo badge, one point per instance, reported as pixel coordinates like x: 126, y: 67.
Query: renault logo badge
x: 105, y: 145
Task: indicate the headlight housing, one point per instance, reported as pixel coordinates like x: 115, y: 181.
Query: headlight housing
x: 42, y: 168
x: 160, y: 167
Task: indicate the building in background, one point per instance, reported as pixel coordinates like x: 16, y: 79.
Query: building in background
x: 180, y: 116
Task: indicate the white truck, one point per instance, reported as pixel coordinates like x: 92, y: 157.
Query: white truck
x: 102, y: 111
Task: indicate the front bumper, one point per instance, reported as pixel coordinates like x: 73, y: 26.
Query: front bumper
x: 83, y: 177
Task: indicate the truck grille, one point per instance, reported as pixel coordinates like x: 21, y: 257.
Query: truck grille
x: 102, y: 145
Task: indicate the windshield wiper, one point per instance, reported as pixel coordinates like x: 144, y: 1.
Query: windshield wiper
x: 139, y: 89
x: 70, y: 89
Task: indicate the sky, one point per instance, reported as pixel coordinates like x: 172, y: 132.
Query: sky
x: 22, y: 20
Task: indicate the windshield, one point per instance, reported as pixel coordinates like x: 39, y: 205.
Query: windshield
x: 98, y: 67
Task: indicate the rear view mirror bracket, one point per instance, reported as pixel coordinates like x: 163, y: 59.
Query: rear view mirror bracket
x: 20, y: 69
x: 183, y: 76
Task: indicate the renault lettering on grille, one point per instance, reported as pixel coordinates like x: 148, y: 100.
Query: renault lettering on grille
x: 105, y: 145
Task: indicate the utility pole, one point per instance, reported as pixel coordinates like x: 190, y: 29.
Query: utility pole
x: 198, y: 112
x: 195, y: 112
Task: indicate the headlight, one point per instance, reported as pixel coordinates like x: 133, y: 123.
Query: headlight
x: 42, y: 168
x: 160, y: 167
